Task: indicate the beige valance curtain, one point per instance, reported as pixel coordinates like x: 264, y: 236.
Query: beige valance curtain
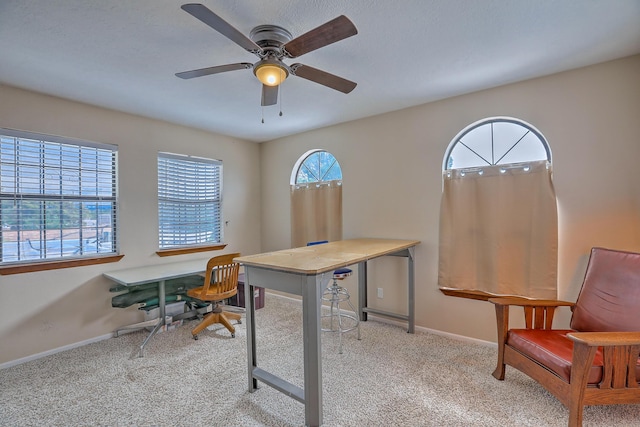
x: 499, y: 231
x: 316, y: 212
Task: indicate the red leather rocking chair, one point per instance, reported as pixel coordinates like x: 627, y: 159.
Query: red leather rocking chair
x: 596, y: 362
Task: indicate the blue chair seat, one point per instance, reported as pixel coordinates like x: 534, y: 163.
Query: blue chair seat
x: 341, y: 273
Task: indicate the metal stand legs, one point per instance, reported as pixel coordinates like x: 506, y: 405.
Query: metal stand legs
x: 335, y: 294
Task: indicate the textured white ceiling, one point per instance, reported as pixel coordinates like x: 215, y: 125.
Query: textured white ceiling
x: 123, y: 54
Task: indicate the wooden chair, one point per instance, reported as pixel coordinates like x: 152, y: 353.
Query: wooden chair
x: 597, y: 361
x: 220, y: 283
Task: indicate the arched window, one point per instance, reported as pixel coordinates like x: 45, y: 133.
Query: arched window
x: 316, y: 166
x: 496, y: 141
x: 498, y: 217
x: 316, y: 198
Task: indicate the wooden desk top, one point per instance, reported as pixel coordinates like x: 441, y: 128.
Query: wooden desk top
x: 325, y: 257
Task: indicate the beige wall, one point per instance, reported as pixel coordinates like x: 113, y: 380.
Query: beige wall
x: 51, y: 309
x: 391, y: 165
x: 392, y: 180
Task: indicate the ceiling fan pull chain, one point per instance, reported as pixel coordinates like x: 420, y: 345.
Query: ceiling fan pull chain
x: 280, y: 97
x: 280, y: 93
x: 262, y: 108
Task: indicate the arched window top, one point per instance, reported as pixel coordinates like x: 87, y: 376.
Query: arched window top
x: 316, y: 166
x: 496, y: 141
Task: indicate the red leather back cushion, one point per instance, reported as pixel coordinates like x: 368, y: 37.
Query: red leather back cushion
x: 610, y: 296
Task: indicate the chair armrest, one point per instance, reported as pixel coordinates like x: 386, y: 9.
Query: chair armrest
x: 525, y: 302
x: 605, y: 339
x: 538, y: 314
x: 620, y: 353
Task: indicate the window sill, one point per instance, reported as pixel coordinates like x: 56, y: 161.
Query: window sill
x: 190, y: 250
x: 459, y: 293
x: 55, y: 265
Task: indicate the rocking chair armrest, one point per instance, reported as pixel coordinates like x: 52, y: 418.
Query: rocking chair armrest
x: 538, y: 314
x: 621, y: 351
x: 605, y: 339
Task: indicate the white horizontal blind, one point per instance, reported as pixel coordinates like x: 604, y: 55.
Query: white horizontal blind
x: 58, y: 197
x: 189, y: 200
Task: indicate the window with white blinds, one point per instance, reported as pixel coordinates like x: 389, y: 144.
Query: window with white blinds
x: 57, y: 198
x: 189, y: 200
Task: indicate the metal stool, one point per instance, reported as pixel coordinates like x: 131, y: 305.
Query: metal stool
x: 334, y: 295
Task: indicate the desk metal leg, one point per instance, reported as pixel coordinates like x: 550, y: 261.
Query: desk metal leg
x: 310, y: 288
x: 161, y: 322
x: 250, y: 309
x: 311, y: 311
x: 363, y: 309
x: 362, y: 290
x: 412, y: 287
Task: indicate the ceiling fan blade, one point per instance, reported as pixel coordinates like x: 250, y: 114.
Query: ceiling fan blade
x: 269, y: 95
x: 214, y: 70
x: 205, y: 15
x: 330, y: 32
x: 323, y: 78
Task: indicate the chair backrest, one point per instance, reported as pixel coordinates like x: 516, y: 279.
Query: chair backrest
x: 221, y: 278
x: 609, y: 300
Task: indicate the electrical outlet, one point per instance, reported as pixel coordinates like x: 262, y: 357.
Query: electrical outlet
x: 380, y: 293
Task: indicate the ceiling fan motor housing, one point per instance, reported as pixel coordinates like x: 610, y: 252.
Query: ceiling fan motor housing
x: 270, y: 37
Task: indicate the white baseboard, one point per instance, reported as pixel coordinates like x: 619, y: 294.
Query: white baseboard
x: 370, y: 316
x: 434, y: 331
x: 54, y: 351
x: 418, y: 328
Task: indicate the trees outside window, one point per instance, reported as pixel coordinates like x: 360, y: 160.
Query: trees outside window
x: 57, y: 198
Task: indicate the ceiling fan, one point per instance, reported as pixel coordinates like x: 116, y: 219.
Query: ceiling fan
x: 271, y: 44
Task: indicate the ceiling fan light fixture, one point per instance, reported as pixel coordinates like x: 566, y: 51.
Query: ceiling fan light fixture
x: 271, y: 72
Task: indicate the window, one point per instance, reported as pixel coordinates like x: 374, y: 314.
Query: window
x: 498, y: 217
x: 189, y: 200
x: 496, y: 141
x: 57, y: 198
x: 316, y: 198
x: 317, y: 166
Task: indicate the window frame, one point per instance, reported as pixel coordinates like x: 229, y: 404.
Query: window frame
x: 295, y: 172
x: 216, y: 188
x: 490, y: 121
x: 44, y: 169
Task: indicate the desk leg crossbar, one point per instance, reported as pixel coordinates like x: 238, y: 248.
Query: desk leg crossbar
x: 310, y: 288
x: 362, y: 293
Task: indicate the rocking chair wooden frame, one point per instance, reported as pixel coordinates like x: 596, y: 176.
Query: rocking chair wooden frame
x: 612, y: 355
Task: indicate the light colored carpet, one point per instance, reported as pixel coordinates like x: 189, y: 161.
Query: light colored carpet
x: 389, y: 378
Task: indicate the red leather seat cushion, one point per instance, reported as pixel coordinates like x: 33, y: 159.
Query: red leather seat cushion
x: 552, y: 349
